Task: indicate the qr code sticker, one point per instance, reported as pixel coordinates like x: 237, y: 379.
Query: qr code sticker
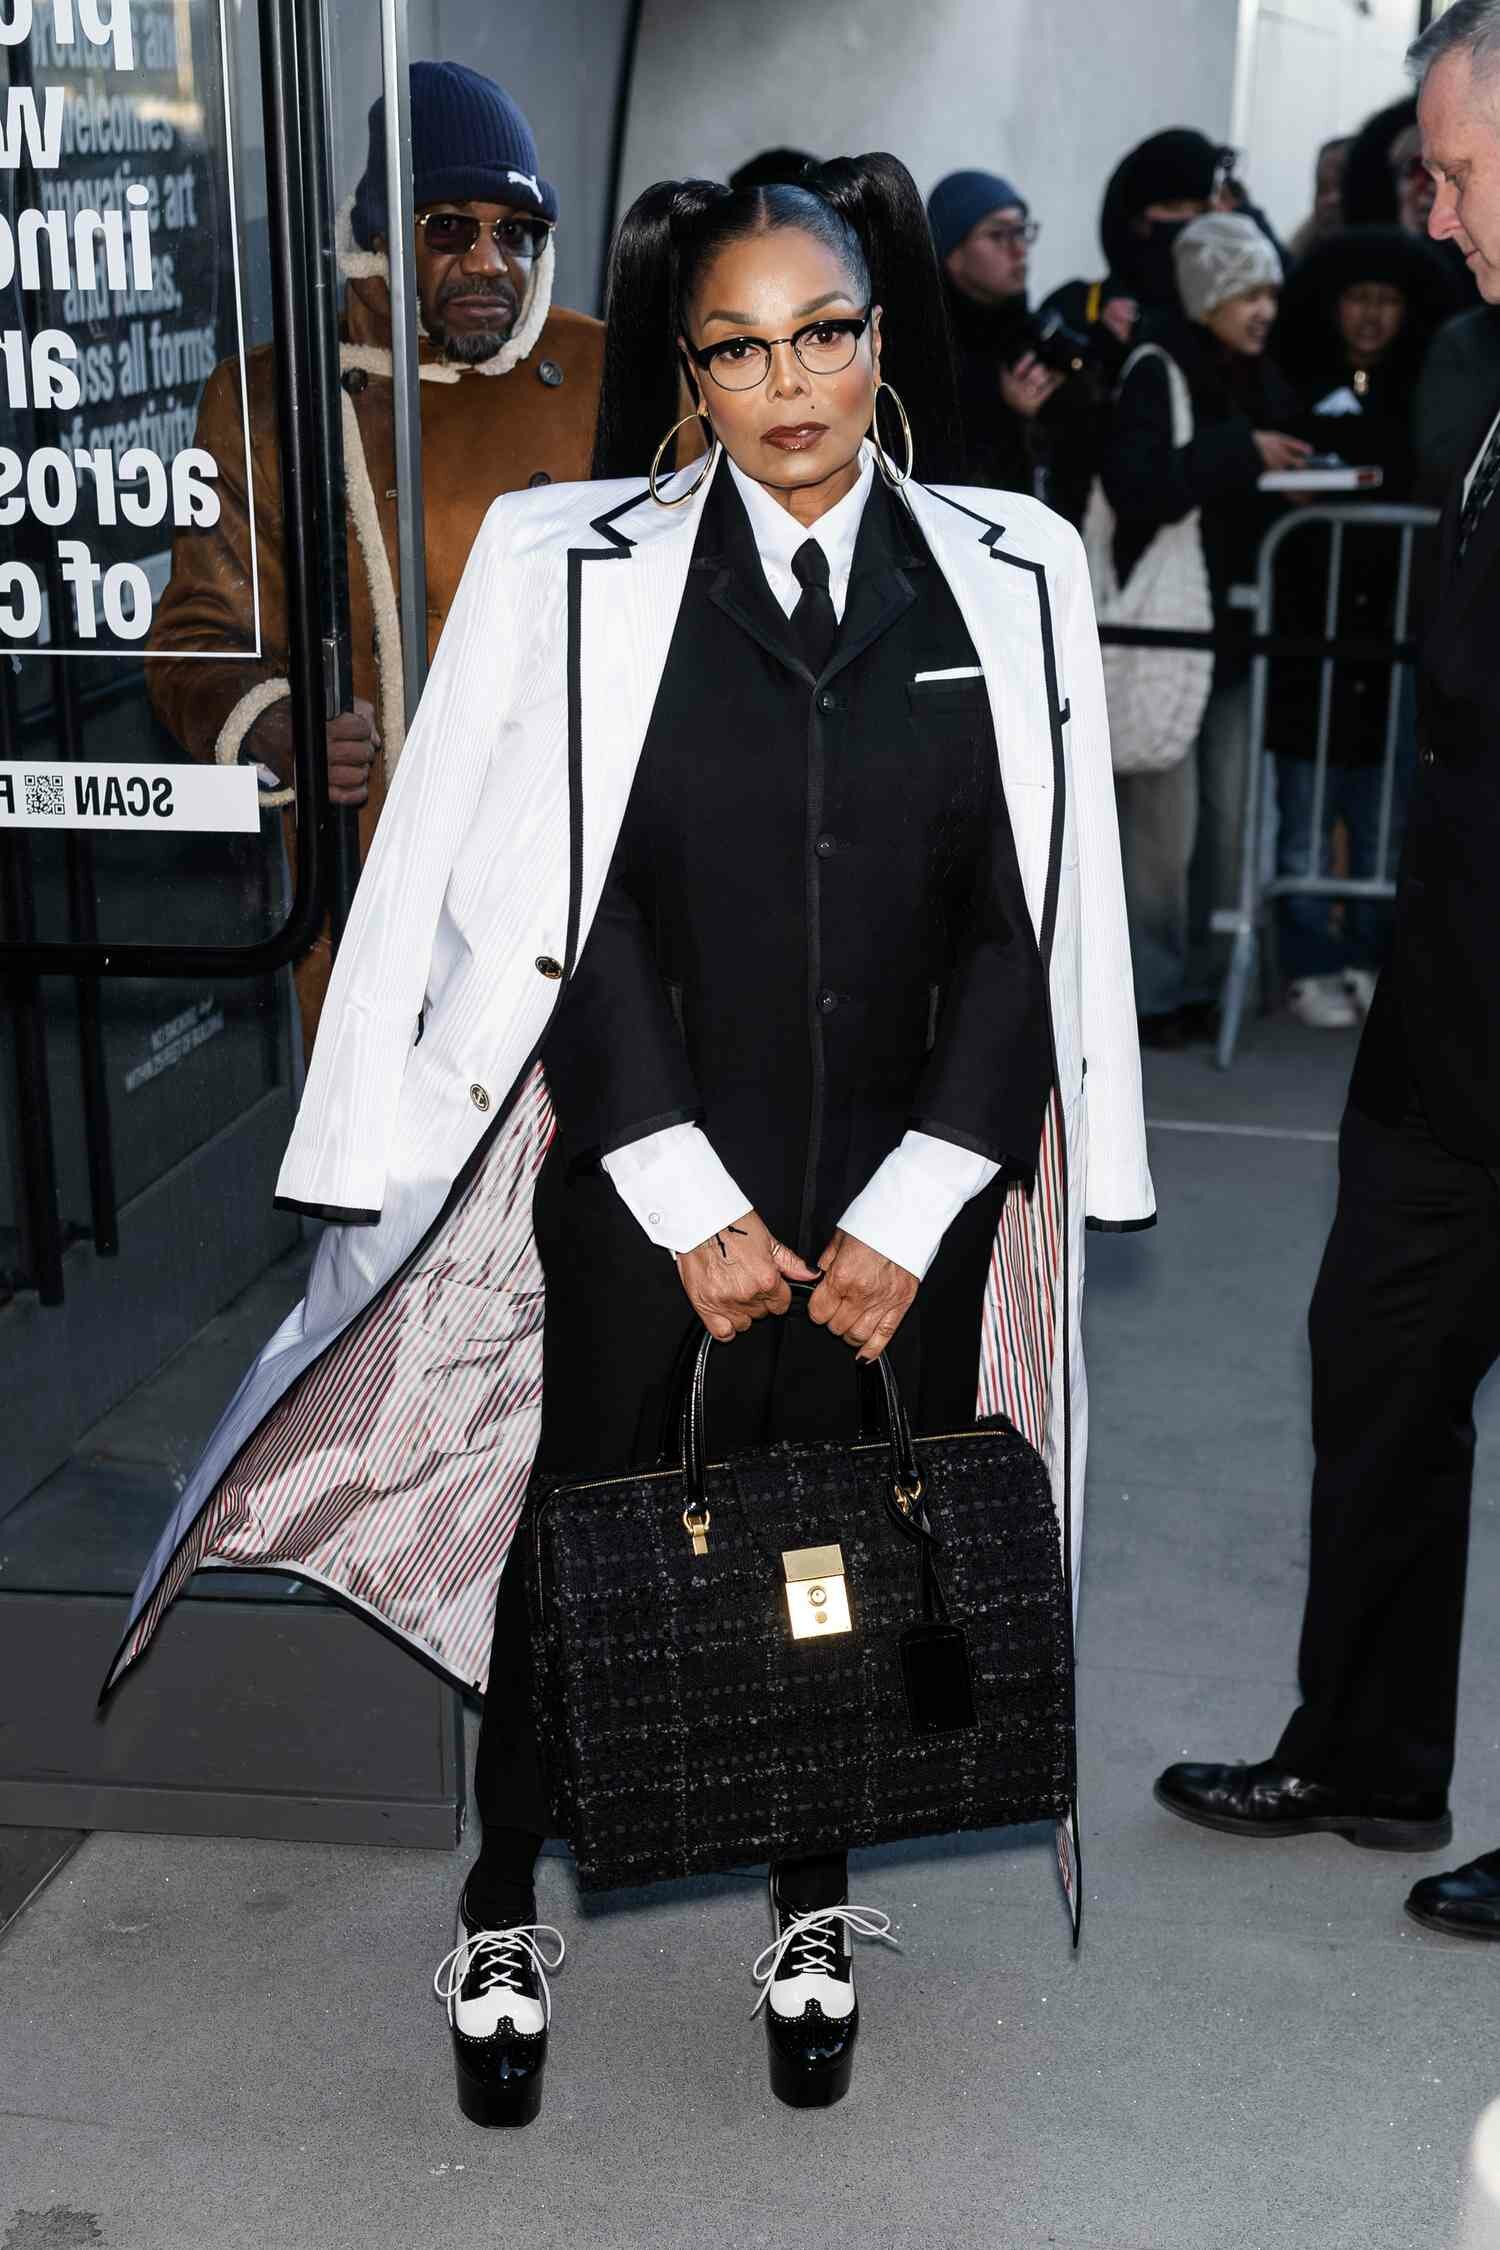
x: 44, y: 797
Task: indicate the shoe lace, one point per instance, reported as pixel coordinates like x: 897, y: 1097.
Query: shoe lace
x: 498, y: 1958
x: 809, y: 1943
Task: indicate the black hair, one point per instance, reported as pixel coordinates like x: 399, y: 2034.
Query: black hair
x: 1368, y: 193
x: 866, y: 209
x: 774, y: 167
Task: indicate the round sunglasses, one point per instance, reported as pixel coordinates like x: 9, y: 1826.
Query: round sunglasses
x: 453, y: 234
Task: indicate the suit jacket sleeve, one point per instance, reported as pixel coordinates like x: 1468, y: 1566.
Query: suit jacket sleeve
x: 987, y: 1079
x: 614, y: 1058
x: 338, y: 1155
x: 1119, y: 1193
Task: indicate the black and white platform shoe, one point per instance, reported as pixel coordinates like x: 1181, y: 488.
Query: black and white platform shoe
x: 807, y: 1990
x: 499, y: 2009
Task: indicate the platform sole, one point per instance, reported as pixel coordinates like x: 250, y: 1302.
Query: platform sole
x: 1367, y: 1830
x: 490, y: 2105
x: 801, y: 2088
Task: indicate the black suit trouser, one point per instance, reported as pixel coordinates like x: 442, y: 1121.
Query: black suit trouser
x: 1404, y: 1325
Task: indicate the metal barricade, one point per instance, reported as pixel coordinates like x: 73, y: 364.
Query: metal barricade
x: 1258, y: 888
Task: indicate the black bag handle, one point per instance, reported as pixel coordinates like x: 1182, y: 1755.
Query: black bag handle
x: 906, y: 1477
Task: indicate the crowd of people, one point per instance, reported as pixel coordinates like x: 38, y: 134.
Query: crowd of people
x: 1150, y: 406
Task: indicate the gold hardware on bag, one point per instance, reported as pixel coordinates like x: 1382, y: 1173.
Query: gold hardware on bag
x: 697, y: 1529
x: 817, y: 1597
x: 908, y: 1496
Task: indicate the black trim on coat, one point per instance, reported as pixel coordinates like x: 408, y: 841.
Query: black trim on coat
x: 334, y: 1214
x: 1119, y: 1226
x: 991, y: 536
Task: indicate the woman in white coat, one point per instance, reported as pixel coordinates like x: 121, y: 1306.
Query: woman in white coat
x: 747, y: 911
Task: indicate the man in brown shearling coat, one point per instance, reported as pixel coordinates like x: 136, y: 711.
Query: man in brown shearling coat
x: 509, y: 392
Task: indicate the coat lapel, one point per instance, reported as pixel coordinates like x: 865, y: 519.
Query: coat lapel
x: 623, y: 597
x: 1002, y: 595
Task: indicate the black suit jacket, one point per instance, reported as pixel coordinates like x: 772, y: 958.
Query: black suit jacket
x: 814, y: 932
x: 1437, y: 1021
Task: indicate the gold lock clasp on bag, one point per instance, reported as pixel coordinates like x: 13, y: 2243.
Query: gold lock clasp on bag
x: 817, y: 1597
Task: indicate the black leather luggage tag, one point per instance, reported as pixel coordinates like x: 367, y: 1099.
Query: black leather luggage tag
x: 939, y: 1689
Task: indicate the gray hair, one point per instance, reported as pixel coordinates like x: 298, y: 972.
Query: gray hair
x: 1470, y: 27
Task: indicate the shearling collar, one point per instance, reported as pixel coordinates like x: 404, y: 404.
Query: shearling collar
x: 368, y: 314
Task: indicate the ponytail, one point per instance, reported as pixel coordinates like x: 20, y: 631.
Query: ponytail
x: 639, y: 397
x: 877, y: 197
x: 865, y: 208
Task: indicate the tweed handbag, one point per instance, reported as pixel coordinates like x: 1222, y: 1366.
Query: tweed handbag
x: 801, y: 1648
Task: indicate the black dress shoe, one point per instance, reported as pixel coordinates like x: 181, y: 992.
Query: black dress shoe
x: 1465, y: 1903
x: 499, y: 2008
x: 807, y: 1991
x: 1265, y: 1800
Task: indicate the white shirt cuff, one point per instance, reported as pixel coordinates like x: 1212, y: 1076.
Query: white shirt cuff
x: 675, y: 1186
x: 914, y: 1197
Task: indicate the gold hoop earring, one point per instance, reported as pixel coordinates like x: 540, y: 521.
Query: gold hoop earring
x: 701, y: 480
x: 883, y: 460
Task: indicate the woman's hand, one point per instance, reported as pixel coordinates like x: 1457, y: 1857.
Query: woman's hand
x: 739, y: 1275
x: 862, y: 1297
x: 1278, y: 451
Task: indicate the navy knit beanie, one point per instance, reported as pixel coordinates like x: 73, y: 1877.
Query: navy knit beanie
x: 958, y: 203
x: 470, y: 143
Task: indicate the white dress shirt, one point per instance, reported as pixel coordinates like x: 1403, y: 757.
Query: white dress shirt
x: 672, y: 1181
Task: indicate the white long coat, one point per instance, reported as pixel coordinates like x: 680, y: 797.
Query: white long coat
x: 381, y: 1442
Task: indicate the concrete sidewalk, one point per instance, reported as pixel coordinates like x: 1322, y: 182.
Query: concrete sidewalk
x: 236, y: 2045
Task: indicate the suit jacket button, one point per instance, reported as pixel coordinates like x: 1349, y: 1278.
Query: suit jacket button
x: 1429, y: 757
x: 548, y: 966
x: 538, y: 476
x: 479, y: 1097
x: 550, y: 373
x: 827, y: 1002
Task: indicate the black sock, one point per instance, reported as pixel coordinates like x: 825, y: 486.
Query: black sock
x: 804, y: 1885
x: 501, y: 1886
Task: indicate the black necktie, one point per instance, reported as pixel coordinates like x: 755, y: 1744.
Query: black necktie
x: 1486, y: 477
x: 813, y: 620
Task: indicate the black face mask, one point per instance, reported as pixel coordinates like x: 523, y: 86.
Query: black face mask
x: 1152, y: 270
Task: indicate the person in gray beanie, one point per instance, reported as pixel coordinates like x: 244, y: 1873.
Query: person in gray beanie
x: 1180, y: 827
x: 483, y: 262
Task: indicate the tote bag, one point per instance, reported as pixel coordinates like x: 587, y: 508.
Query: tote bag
x: 1156, y: 696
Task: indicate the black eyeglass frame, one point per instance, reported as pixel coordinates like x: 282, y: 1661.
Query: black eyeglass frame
x: 852, y: 324
x: 541, y: 230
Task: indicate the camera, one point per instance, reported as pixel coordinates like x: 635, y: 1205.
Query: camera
x: 1063, y: 348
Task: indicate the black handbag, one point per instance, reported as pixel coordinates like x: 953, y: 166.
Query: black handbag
x: 801, y: 1648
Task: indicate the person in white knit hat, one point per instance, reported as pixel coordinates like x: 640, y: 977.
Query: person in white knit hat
x: 1180, y: 828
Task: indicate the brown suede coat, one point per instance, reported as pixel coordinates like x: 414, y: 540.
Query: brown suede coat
x: 481, y: 435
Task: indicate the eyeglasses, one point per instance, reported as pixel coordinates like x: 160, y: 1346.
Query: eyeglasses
x: 1014, y: 234
x: 824, y: 347
x: 453, y: 234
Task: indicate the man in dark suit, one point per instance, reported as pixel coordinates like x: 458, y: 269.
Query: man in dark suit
x: 1405, y: 1319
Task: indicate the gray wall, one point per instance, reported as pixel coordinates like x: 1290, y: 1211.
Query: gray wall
x: 1050, y: 92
